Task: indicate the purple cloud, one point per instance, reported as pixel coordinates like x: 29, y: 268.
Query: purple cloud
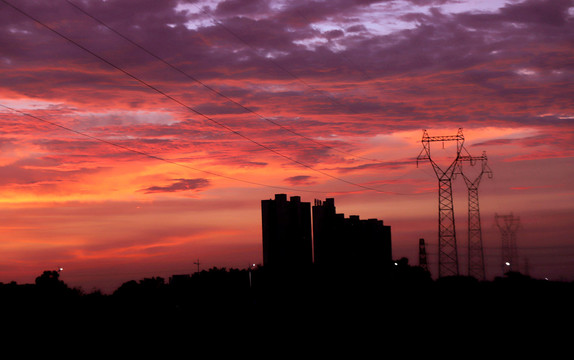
x: 387, y: 165
x: 415, y: 74
x: 179, y: 185
x: 240, y: 7
x: 300, y: 180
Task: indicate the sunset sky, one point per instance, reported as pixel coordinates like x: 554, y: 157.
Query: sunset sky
x: 138, y: 136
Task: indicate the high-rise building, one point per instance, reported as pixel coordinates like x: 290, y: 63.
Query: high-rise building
x: 337, y: 243
x: 328, y: 234
x: 343, y: 243
x: 287, y: 243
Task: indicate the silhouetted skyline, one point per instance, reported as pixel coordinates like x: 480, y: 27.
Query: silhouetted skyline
x: 297, y: 236
x: 139, y: 136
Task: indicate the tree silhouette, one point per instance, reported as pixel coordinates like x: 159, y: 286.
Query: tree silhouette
x: 50, y: 279
x: 49, y: 285
x: 225, y: 296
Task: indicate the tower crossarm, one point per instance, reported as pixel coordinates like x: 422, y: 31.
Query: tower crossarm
x: 472, y: 160
x: 425, y: 153
x: 443, y: 138
x: 457, y: 137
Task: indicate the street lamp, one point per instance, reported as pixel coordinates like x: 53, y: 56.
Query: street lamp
x: 250, y: 268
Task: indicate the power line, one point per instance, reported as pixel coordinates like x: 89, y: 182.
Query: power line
x: 183, y: 104
x: 290, y: 73
x: 526, y: 248
x: 215, y: 91
x: 153, y: 156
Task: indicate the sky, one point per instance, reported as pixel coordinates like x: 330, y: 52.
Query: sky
x: 138, y: 138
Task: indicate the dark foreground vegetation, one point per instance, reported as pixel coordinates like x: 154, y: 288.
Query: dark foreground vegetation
x: 243, y: 298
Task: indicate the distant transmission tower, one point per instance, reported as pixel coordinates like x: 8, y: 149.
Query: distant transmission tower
x: 423, y: 255
x: 508, y: 225
x: 447, y: 251
x: 476, y: 267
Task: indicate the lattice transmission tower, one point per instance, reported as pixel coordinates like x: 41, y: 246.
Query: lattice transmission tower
x: 476, y: 266
x: 508, y: 225
x: 423, y: 263
x: 447, y: 251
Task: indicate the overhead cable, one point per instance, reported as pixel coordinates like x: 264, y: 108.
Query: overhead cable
x: 187, y: 106
x: 210, y: 88
x: 151, y: 155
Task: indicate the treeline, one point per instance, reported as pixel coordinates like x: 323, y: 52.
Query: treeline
x: 221, y: 292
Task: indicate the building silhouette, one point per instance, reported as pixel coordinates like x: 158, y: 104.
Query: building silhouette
x: 328, y: 234
x: 332, y: 243
x: 342, y: 243
x: 287, y: 242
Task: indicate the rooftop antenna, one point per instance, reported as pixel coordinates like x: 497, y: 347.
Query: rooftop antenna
x: 447, y: 251
x: 476, y: 267
x: 197, y: 263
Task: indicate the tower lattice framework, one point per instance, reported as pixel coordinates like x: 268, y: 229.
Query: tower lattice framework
x: 447, y: 248
x: 508, y: 226
x: 423, y: 263
x: 476, y: 265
